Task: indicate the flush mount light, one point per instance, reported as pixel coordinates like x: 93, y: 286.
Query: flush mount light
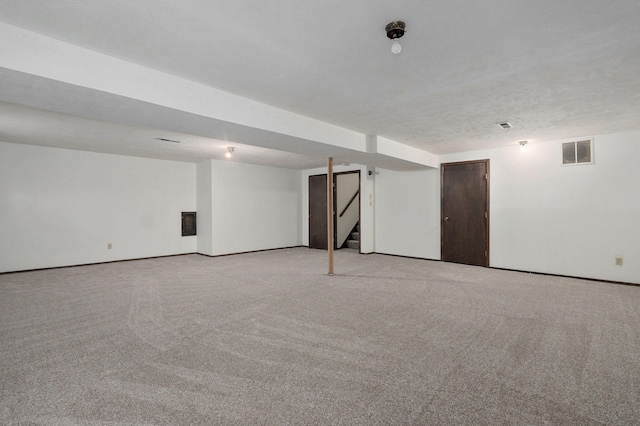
x: 523, y: 145
x: 229, y: 151
x: 395, y: 30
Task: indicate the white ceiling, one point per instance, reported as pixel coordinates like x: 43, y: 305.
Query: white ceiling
x: 553, y: 69
x: 24, y: 125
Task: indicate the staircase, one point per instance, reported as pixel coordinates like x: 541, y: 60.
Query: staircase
x: 353, y: 241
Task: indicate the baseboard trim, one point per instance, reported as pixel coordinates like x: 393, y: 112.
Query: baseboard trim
x: 304, y: 246
x: 566, y: 276
x: 247, y: 252
x: 94, y: 263
x: 406, y: 257
x: 523, y: 271
x: 136, y: 258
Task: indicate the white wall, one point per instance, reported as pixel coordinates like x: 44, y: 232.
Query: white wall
x: 407, y: 213
x: 544, y: 217
x: 566, y: 220
x: 62, y: 207
x: 204, y: 191
x: 367, y: 185
x: 252, y: 207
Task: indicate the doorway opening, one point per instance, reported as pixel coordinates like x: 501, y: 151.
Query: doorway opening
x: 346, y: 213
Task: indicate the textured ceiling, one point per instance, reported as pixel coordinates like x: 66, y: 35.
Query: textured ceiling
x: 553, y: 69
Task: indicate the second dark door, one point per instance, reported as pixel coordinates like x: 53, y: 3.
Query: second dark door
x: 465, y: 212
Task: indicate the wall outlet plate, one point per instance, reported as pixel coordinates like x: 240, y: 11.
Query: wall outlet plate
x: 619, y: 261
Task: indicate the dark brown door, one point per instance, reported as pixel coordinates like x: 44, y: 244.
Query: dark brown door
x: 318, y: 212
x: 465, y: 212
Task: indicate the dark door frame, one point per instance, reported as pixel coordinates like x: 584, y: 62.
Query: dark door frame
x: 487, y: 211
x: 335, y: 212
x: 334, y: 205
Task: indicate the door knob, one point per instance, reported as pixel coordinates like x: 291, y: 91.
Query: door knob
x: 446, y: 218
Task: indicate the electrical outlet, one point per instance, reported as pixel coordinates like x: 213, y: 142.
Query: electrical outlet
x: 618, y: 261
x: 109, y: 246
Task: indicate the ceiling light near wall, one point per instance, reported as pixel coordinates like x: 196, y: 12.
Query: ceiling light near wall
x: 229, y: 151
x: 523, y: 145
x: 395, y: 30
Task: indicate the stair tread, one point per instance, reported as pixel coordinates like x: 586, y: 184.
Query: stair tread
x: 353, y: 244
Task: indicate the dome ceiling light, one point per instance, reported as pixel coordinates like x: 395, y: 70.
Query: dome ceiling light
x: 395, y: 30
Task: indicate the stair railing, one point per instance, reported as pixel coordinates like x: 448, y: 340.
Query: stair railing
x: 349, y: 203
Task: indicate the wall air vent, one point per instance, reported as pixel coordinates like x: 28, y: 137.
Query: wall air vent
x: 578, y: 152
x: 167, y: 140
x: 505, y: 124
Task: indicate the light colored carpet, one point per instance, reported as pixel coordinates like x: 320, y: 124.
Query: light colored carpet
x: 268, y: 338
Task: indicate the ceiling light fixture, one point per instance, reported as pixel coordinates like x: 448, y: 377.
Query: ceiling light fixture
x: 395, y: 30
x: 523, y: 145
x: 229, y: 151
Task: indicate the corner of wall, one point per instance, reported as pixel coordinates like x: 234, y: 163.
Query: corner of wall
x: 204, y: 207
